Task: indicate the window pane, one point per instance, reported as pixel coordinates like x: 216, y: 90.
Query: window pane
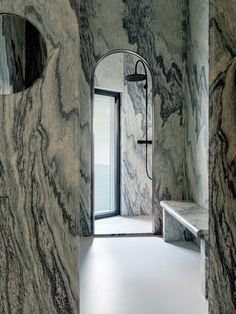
x: 104, y: 153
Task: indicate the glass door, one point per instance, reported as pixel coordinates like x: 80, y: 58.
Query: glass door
x: 106, y: 153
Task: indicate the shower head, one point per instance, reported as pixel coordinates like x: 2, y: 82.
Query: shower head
x: 135, y: 77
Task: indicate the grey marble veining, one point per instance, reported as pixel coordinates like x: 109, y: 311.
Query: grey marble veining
x: 173, y: 230
x: 179, y: 215
x: 143, y: 27
x: 222, y: 157
x: 160, y: 43
x: 39, y: 167
x: 205, y: 273
x: 135, y: 187
x: 23, y: 54
x: 39, y: 197
x: 191, y: 215
x: 12, y: 57
x: 196, y: 96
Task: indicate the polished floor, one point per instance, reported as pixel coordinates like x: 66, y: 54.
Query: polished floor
x: 140, y: 275
x: 124, y: 225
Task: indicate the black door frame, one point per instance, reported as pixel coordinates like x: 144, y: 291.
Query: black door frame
x: 116, y: 95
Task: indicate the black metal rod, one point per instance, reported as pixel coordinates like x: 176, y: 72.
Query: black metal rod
x: 146, y: 88
x: 146, y: 129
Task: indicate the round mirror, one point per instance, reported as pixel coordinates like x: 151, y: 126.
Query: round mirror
x: 23, y: 54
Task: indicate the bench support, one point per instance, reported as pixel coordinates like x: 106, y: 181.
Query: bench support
x: 173, y: 230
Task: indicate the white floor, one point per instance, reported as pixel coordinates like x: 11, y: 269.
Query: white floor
x: 123, y: 225
x: 140, y: 275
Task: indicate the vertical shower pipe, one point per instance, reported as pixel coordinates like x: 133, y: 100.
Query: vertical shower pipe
x: 146, y: 88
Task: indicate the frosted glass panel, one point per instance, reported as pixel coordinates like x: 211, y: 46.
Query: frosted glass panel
x: 104, y: 153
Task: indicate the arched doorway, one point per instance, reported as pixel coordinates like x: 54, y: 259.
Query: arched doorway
x: 122, y: 147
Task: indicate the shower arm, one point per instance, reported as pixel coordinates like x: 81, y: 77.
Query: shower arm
x: 146, y: 88
x: 145, y: 70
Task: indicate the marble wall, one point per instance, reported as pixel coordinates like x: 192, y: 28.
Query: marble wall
x: 222, y: 131
x: 12, y: 57
x: 143, y: 27
x: 135, y: 187
x: 23, y: 54
x: 39, y: 167
x: 196, y: 96
x: 109, y: 73
x: 39, y: 151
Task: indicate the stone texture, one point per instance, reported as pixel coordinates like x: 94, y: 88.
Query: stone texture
x: 205, y: 266
x: 196, y: 96
x: 39, y: 134
x: 181, y: 215
x: 135, y: 187
x: 12, y: 57
x: 23, y: 54
x: 191, y: 215
x: 222, y: 157
x: 173, y: 230
x: 39, y: 167
x: 143, y: 27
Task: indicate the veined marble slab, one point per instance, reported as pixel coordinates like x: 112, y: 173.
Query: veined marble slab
x: 135, y: 186
x: 194, y: 217
x: 179, y: 215
x: 222, y: 163
x: 39, y: 173
x: 196, y: 96
x: 143, y: 27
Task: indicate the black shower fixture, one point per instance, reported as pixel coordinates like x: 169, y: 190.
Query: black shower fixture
x: 138, y: 77
x: 135, y: 77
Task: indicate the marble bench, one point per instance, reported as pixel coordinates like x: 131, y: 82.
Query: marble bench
x: 181, y: 215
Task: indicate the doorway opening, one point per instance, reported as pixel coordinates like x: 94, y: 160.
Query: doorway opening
x: 122, y: 145
x: 106, y: 153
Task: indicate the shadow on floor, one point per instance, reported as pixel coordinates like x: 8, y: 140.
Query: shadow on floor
x: 85, y: 246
